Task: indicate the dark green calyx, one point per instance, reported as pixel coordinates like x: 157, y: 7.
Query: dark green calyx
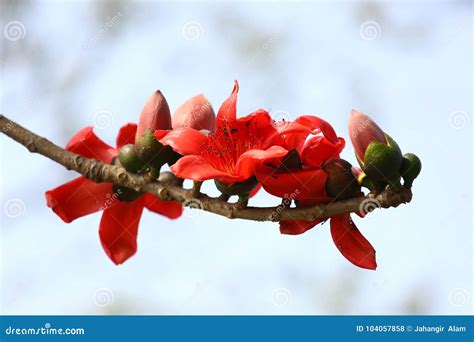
x: 151, y: 152
x: 382, y: 162
x: 341, y: 183
x: 291, y: 161
x: 125, y: 194
x: 241, y: 189
x: 410, y: 169
x: 129, y: 160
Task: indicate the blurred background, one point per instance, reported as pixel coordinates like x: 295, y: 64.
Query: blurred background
x: 69, y: 64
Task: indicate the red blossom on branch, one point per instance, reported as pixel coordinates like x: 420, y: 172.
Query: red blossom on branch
x: 121, y: 216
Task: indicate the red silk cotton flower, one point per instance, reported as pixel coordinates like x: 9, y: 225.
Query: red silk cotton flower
x: 119, y: 224
x: 304, y: 175
x: 231, y: 152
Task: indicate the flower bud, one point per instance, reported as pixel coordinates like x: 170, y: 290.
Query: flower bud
x: 341, y: 183
x: 410, y: 169
x: 363, y: 130
x: 377, y: 153
x: 151, y: 152
x: 195, y: 113
x: 129, y: 159
x: 155, y: 115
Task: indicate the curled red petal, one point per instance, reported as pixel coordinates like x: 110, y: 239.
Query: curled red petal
x: 118, y: 229
x: 126, y: 135
x: 87, y: 144
x: 351, y: 243
x: 247, y: 162
x: 316, y: 125
x: 199, y: 169
x: 170, y: 209
x: 185, y: 141
x: 78, y: 198
x: 299, y: 184
x: 319, y: 149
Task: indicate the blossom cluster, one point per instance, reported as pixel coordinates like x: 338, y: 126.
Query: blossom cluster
x: 297, y: 161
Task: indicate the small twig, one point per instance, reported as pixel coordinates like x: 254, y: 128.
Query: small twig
x: 169, y: 190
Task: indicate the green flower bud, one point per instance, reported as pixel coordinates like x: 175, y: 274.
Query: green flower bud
x: 129, y: 160
x: 410, y: 169
x: 241, y: 189
x: 341, y: 183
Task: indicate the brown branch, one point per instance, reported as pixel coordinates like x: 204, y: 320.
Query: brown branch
x: 166, y: 190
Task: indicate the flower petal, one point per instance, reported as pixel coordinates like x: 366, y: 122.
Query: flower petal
x: 185, y: 141
x: 298, y: 227
x: 199, y: 169
x: 118, y: 229
x: 170, y: 209
x: 78, y: 198
x: 351, y: 243
x: 318, y: 125
x: 227, y: 113
x: 319, y: 149
x: 87, y: 144
x: 247, y: 162
x: 305, y: 184
x: 126, y: 135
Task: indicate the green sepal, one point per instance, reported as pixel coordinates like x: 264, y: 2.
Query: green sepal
x: 241, y: 189
x: 341, y: 183
x: 151, y: 152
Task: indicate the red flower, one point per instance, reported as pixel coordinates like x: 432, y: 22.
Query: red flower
x: 229, y: 154
x: 119, y: 225
x: 301, y: 176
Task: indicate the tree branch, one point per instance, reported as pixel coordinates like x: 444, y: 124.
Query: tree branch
x: 166, y: 190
